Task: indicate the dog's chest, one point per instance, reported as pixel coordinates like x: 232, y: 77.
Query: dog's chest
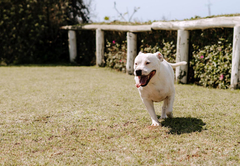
x: 153, y: 93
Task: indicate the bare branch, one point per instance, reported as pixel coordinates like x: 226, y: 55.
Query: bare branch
x: 135, y: 10
x: 119, y: 12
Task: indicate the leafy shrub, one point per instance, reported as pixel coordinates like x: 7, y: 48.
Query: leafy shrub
x: 212, y: 64
x: 116, y: 55
x: 86, y: 48
x: 209, y: 57
x: 116, y: 46
x: 203, y: 38
x: 30, y: 30
x: 168, y: 50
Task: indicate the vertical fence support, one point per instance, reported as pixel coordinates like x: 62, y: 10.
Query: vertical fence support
x: 235, y: 75
x: 182, y: 55
x: 99, y: 47
x: 131, y: 51
x: 72, y: 45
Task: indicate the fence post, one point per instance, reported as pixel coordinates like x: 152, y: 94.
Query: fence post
x: 131, y: 51
x: 99, y: 47
x: 235, y: 75
x: 182, y: 55
x: 72, y: 45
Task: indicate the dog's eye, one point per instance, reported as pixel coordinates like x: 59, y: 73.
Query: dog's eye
x: 147, y: 63
x: 135, y: 63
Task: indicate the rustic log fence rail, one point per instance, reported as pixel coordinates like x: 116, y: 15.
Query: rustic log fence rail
x: 182, y: 27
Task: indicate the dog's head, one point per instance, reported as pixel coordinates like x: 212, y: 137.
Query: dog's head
x: 145, y: 67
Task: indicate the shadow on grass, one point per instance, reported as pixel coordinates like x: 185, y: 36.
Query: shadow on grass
x: 183, y: 125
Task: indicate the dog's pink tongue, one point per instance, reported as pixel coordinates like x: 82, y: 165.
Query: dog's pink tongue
x: 143, y: 80
x: 137, y: 85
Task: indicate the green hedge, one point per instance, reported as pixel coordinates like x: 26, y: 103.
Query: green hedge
x: 116, y: 55
x: 116, y: 46
x: 30, y: 34
x: 209, y: 58
x: 86, y: 48
x: 30, y: 30
x: 212, y: 64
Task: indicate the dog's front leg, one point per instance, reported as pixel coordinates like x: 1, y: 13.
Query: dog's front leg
x: 151, y: 111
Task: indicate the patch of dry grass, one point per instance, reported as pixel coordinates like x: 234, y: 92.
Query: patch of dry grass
x: 94, y: 116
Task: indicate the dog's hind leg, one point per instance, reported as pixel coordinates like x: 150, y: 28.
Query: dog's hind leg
x: 168, y: 107
x: 164, y: 107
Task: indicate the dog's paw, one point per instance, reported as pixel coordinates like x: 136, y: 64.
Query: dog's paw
x: 163, y: 117
x: 170, y: 115
x: 154, y: 123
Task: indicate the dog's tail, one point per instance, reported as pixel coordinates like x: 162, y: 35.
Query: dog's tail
x: 177, y: 64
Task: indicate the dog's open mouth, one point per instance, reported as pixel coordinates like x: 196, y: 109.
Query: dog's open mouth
x: 144, y: 80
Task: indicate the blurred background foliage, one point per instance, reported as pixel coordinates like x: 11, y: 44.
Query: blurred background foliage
x: 210, y: 57
x: 210, y: 53
x: 30, y: 34
x: 30, y: 30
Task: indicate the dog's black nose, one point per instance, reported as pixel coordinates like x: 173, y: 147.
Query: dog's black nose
x: 138, y: 72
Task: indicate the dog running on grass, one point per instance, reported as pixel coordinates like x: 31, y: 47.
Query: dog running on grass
x: 154, y: 78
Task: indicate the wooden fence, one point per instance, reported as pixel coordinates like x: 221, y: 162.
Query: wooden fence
x: 182, y: 27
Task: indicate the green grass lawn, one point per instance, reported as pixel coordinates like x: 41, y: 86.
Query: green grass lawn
x: 94, y: 116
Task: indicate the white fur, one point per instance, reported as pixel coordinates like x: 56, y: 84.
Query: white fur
x: 160, y: 86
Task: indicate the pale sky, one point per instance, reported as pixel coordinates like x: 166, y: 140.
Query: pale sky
x: 159, y: 9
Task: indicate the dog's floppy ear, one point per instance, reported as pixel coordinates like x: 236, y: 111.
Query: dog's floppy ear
x: 159, y: 56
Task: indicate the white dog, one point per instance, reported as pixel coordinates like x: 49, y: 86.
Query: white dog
x: 154, y: 78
